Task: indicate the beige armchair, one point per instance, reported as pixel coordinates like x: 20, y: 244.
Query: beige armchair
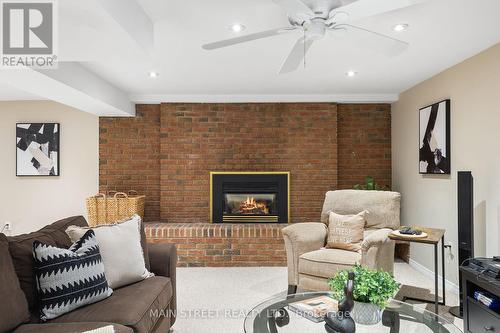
x: 310, y: 264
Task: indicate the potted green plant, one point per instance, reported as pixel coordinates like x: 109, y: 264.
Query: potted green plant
x: 372, y: 290
x: 370, y: 185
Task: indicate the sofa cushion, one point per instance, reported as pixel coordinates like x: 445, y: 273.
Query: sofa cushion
x: 69, y: 328
x: 134, y: 306
x: 13, y: 304
x: 21, y: 250
x: 57, y: 230
x: 326, y: 262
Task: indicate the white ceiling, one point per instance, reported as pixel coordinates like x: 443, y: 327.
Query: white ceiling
x: 441, y: 34
x: 10, y: 93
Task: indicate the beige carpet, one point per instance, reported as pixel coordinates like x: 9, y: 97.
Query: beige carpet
x: 215, y: 300
x: 414, y: 284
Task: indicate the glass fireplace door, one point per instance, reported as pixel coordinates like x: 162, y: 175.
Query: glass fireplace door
x: 250, y: 204
x: 251, y: 207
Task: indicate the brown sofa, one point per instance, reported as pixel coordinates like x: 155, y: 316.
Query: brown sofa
x: 145, y: 306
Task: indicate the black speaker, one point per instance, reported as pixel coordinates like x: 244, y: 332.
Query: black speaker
x: 465, y: 227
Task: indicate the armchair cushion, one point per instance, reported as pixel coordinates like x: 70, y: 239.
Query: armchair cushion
x: 326, y: 262
x: 382, y: 205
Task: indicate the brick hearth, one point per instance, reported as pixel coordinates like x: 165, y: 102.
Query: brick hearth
x: 222, y: 245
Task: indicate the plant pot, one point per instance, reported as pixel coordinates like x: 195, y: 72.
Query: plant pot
x: 366, y: 313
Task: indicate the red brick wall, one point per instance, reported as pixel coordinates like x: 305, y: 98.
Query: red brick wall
x: 199, y: 138
x: 129, y: 156
x: 167, y: 151
x: 364, y: 144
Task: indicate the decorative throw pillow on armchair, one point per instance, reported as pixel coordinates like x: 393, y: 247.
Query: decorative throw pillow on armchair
x: 346, y: 231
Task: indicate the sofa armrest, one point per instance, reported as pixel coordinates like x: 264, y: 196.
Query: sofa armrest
x: 163, y: 259
x: 377, y: 251
x: 299, y: 239
x: 163, y: 262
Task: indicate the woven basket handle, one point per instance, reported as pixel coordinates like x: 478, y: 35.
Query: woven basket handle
x: 117, y: 195
x: 133, y: 193
x: 101, y: 195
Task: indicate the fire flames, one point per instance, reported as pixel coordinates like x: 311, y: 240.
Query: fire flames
x: 252, y: 206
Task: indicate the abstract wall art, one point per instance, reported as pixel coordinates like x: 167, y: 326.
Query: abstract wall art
x: 434, y: 150
x: 37, y: 149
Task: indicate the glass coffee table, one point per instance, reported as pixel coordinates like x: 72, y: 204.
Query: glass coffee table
x: 273, y: 316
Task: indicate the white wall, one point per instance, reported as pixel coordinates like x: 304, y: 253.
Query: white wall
x: 32, y: 202
x: 474, y: 89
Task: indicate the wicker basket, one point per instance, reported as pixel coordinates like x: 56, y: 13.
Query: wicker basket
x: 114, y: 207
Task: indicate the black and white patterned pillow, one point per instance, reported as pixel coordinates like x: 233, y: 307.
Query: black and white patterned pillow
x: 69, y: 278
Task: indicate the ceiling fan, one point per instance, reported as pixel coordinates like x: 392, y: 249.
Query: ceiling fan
x: 316, y: 18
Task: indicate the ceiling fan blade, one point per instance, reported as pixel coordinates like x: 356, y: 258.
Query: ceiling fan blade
x: 247, y: 38
x: 296, y: 56
x: 294, y: 7
x: 364, y: 8
x: 375, y: 41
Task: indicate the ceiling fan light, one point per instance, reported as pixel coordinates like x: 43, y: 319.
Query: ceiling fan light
x: 153, y: 74
x: 237, y: 27
x: 351, y: 73
x: 400, y: 27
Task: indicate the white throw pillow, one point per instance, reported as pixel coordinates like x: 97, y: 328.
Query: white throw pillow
x: 121, y: 250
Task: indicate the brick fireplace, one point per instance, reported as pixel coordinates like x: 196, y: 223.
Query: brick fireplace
x: 168, y: 151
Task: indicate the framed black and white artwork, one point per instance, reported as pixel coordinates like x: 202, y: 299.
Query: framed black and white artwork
x: 37, y: 149
x: 434, y: 150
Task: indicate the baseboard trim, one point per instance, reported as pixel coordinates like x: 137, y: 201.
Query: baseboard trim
x: 450, y: 286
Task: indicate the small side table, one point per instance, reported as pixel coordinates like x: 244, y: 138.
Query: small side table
x: 433, y: 238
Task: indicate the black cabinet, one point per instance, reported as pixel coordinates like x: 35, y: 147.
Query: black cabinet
x: 477, y: 317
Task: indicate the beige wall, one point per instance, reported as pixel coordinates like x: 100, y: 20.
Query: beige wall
x: 32, y: 202
x: 474, y: 89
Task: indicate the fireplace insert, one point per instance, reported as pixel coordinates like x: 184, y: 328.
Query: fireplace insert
x: 249, y: 197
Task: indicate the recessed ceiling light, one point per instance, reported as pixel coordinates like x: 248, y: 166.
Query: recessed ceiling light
x: 400, y: 27
x: 153, y: 74
x: 237, y: 27
x: 351, y: 73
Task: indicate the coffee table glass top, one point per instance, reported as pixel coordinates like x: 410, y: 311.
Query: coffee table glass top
x: 396, y: 317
